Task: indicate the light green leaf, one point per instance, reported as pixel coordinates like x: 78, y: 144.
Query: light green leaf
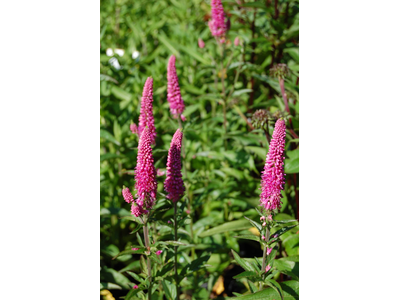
x: 109, y: 137
x: 248, y: 237
x: 227, y: 227
x: 239, y: 92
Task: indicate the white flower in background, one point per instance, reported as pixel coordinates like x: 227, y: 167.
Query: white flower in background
x: 120, y: 52
x: 109, y: 52
x: 114, y: 62
x: 135, y: 54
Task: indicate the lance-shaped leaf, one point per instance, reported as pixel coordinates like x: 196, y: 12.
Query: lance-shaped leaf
x: 243, y: 263
x: 248, y: 237
x: 255, y: 224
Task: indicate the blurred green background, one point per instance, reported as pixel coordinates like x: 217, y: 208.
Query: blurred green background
x: 137, y: 38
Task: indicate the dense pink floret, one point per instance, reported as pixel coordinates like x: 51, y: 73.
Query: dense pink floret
x: 145, y: 175
x: 146, y: 117
x: 217, y: 23
x: 174, y: 93
x: 126, y: 193
x: 173, y: 185
x: 272, y: 179
x: 136, y: 210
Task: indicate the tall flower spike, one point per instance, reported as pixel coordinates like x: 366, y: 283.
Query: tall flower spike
x: 174, y: 93
x: 272, y: 179
x: 146, y: 110
x: 173, y: 185
x: 145, y: 175
x: 217, y: 24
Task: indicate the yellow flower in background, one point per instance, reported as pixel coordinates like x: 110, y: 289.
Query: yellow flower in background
x: 107, y: 295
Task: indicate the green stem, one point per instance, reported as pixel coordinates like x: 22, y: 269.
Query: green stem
x: 264, y: 261
x: 147, y: 243
x: 176, y: 251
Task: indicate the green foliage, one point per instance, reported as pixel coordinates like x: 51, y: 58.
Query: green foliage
x: 223, y: 155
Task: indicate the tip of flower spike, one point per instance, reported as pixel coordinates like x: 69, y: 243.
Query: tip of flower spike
x: 201, y: 43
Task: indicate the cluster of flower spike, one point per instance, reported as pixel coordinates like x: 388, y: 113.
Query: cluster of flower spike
x: 146, y: 117
x: 272, y: 179
x: 217, y: 23
x: 174, y: 184
x: 174, y: 93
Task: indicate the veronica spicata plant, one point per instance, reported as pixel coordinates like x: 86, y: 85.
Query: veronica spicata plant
x: 272, y: 183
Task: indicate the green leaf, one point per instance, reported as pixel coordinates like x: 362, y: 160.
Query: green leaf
x: 169, y: 289
x: 175, y: 243
x: 255, y: 224
x: 167, y: 43
x: 246, y: 274
x: 136, y: 276
x: 109, y: 286
x: 276, y: 286
x: 196, y: 55
x: 293, y: 52
x: 292, y: 163
x: 252, y: 286
x: 290, y: 291
x: 109, y: 137
x: 288, y: 266
x: 285, y: 221
x: 248, y: 237
x: 239, y: 92
x: 104, y: 77
x: 121, y: 94
x: 244, y: 264
x: 227, y: 227
x: 281, y: 231
x: 113, y: 276
x: 140, y: 251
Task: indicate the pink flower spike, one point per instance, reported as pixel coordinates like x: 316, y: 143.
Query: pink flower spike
x: 127, y: 195
x: 201, y: 43
x: 146, y: 184
x: 267, y: 268
x: 183, y: 118
x: 269, y: 250
x: 263, y: 237
x: 173, y: 185
x: 135, y: 286
x: 174, y: 97
x: 133, y: 128
x: 264, y: 224
x: 159, y: 252
x: 217, y: 23
x: 272, y: 178
x: 237, y: 41
x: 269, y: 218
x: 146, y: 117
x: 262, y: 218
x: 135, y: 249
